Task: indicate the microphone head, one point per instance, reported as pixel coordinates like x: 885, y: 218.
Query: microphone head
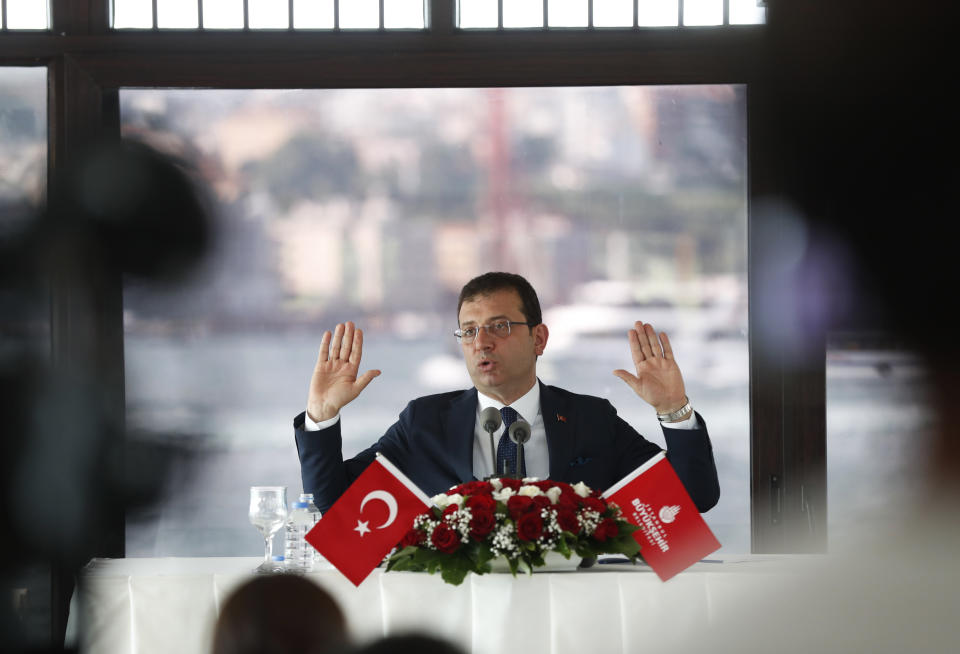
x: 519, y: 431
x: 490, y: 419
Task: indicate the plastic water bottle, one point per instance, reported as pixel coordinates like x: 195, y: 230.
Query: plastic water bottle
x: 315, y: 515
x: 297, y: 551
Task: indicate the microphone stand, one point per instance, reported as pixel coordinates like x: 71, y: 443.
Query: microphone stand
x: 490, y: 420
x: 519, y: 433
x: 493, y: 456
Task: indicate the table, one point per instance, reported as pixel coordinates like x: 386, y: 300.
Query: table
x: 162, y: 605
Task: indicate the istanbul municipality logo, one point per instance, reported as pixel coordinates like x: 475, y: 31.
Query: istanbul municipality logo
x: 669, y: 513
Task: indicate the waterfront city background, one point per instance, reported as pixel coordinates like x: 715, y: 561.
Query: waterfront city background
x: 619, y: 204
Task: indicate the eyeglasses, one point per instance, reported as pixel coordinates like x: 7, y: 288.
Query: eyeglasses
x: 500, y: 329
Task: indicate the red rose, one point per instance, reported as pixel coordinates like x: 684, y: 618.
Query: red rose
x: 542, y: 502
x: 518, y: 505
x: 545, y: 485
x: 606, y: 529
x: 514, y: 484
x: 481, y: 524
x: 450, y: 508
x: 567, y: 519
x: 481, y: 503
x: 569, y: 500
x: 472, y: 488
x: 529, y: 527
x: 412, y: 537
x: 445, y: 539
x: 594, y: 504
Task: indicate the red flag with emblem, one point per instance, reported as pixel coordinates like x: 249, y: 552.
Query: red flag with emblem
x: 369, y: 519
x: 672, y: 534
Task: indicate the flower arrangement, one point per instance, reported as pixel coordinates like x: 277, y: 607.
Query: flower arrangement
x: 520, y: 520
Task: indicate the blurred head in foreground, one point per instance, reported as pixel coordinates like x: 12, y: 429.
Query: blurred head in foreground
x: 280, y: 614
x: 412, y: 643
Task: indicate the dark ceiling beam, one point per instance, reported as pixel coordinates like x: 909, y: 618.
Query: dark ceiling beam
x: 356, y: 59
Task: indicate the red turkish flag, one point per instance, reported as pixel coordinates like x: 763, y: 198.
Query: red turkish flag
x: 672, y: 534
x: 369, y: 519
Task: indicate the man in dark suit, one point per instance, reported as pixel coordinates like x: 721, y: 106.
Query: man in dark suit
x: 439, y: 440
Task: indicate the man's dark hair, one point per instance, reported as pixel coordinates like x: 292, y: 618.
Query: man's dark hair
x: 280, y: 613
x: 491, y: 282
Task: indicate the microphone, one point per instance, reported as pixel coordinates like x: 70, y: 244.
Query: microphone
x: 490, y: 420
x: 519, y: 433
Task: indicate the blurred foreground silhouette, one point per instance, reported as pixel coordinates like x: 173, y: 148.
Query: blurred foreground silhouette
x: 280, y: 614
x: 855, y: 107
x: 70, y: 467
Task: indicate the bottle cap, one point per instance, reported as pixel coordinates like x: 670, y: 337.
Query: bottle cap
x: 300, y: 505
x: 306, y: 497
x: 278, y: 557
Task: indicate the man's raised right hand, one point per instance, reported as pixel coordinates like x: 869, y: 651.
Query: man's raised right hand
x: 335, y: 383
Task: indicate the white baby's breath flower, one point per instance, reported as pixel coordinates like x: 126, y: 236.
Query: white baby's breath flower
x: 441, y: 500
x: 530, y: 491
x: 554, y: 494
x: 503, y: 494
x: 581, y: 489
x: 588, y: 521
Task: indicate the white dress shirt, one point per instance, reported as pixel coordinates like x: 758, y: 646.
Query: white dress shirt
x: 535, y: 453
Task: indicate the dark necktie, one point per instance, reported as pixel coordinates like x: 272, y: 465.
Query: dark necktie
x: 506, y: 448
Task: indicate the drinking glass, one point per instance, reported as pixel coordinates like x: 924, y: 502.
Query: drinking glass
x: 268, y: 513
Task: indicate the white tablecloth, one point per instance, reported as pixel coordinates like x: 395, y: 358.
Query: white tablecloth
x: 163, y: 605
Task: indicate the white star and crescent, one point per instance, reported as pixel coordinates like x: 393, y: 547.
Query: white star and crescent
x: 363, y: 526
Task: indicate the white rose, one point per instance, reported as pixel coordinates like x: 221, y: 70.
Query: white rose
x: 530, y: 480
x: 496, y: 484
x: 530, y: 491
x: 440, y: 500
x: 456, y: 498
x: 581, y: 489
x: 554, y: 494
x: 503, y: 494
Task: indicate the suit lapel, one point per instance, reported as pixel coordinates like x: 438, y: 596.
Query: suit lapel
x: 459, y: 425
x: 558, y: 421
